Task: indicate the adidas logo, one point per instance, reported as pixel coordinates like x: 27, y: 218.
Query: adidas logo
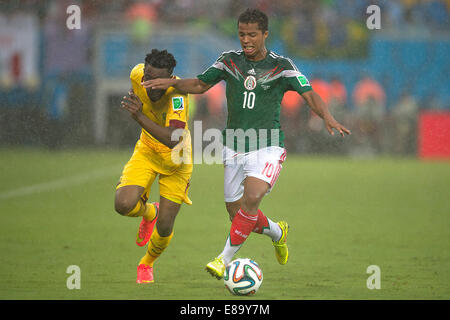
x: 239, y: 233
x: 252, y: 72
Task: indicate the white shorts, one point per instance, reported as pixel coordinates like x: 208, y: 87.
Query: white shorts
x: 264, y: 164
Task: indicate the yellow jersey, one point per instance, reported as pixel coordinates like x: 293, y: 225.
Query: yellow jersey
x: 169, y: 111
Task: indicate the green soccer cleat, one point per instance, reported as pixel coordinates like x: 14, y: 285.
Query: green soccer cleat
x: 216, y: 268
x: 281, y: 248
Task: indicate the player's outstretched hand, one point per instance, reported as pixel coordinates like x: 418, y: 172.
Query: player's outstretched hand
x: 155, y: 84
x: 331, y: 123
x: 132, y: 104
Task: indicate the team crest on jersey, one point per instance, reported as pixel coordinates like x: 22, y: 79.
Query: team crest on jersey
x: 250, y: 83
x: 178, y: 103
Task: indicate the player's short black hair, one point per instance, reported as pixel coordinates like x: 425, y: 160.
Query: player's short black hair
x: 255, y: 16
x: 161, y: 59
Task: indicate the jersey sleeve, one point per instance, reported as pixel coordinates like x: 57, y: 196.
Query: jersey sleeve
x: 296, y: 81
x: 177, y: 113
x: 214, y: 73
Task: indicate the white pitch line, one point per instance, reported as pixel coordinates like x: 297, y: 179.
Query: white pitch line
x: 61, y: 183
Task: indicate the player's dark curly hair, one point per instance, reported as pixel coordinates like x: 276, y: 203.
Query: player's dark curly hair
x: 255, y: 16
x: 161, y: 59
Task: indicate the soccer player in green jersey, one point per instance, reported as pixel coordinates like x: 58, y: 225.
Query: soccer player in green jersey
x: 253, y: 152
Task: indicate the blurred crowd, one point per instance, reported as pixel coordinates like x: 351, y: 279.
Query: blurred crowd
x: 309, y: 28
x: 376, y: 128
x: 61, y: 79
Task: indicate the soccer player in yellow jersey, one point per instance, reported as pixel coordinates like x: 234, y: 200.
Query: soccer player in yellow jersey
x: 160, y: 113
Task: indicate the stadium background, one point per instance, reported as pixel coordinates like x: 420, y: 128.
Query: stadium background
x: 60, y: 92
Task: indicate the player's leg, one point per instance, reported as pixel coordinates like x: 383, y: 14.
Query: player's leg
x: 130, y: 201
x: 245, y: 219
x: 264, y: 225
x: 245, y: 186
x: 266, y: 165
x: 261, y: 168
x: 159, y: 240
x: 163, y: 232
x: 232, y: 208
x: 173, y: 192
x: 242, y: 223
x: 132, y: 193
x: 134, y: 185
x: 246, y: 182
x: 233, y: 192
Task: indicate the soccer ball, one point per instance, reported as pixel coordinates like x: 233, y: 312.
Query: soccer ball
x: 243, y: 277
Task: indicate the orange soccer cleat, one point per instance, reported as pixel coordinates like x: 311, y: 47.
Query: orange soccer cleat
x: 144, y: 274
x: 146, y: 228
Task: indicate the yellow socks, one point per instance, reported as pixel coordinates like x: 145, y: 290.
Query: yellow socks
x: 156, y: 246
x: 148, y: 211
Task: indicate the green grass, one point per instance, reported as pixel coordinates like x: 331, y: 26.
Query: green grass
x: 344, y: 216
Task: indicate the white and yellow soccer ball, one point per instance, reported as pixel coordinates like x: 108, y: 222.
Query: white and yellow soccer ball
x: 243, y: 277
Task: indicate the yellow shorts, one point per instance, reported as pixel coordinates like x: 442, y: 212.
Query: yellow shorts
x: 146, y: 163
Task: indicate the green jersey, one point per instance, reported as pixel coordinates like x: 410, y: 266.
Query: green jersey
x: 254, y: 90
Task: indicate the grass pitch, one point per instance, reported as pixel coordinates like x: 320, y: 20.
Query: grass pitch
x: 56, y: 210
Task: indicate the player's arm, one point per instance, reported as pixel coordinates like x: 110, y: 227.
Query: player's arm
x: 320, y: 108
x: 193, y: 85
x: 133, y: 104
x: 198, y: 85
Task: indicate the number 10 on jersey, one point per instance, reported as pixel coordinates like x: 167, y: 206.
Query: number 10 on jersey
x: 249, y: 100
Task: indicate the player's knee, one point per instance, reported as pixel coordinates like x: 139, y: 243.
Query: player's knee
x: 164, y: 226
x: 124, y: 206
x: 252, y: 200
